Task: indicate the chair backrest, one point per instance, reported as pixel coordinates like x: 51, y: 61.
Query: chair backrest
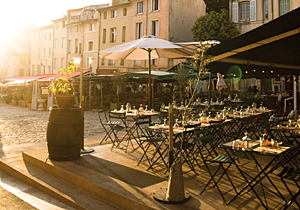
x: 119, y: 116
x: 101, y: 114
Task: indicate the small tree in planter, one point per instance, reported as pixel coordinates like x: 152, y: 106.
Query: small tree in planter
x: 63, y: 89
x: 14, y: 98
x: 28, y: 98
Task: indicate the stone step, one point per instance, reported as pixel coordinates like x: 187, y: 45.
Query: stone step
x: 93, y: 183
x: 50, y: 184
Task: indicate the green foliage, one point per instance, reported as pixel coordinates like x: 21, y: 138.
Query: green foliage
x: 62, y: 85
x: 14, y: 95
x: 28, y: 96
x: 216, y: 5
x: 214, y: 26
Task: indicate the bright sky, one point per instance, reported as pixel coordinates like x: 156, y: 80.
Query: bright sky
x: 17, y: 13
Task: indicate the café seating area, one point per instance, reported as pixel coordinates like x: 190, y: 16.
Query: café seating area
x: 203, y: 139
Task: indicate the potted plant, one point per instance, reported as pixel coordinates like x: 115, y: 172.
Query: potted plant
x: 65, y: 125
x: 63, y: 89
x: 14, y: 98
x: 28, y: 98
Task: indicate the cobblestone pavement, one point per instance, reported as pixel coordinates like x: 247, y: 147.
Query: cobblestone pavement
x: 21, y: 125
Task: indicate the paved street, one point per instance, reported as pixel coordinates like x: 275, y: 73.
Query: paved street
x: 21, y: 125
x: 22, y: 129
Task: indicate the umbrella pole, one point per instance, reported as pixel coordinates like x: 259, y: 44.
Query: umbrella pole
x: 209, y: 86
x: 295, y: 97
x: 150, y: 82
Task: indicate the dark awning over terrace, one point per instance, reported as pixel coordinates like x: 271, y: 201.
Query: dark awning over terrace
x: 271, y: 49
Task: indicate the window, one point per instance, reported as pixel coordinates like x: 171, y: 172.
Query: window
x: 32, y: 70
x: 44, y: 52
x: 89, y: 63
x: 39, y: 52
x: 70, y: 29
x: 105, y: 15
x: 102, y: 61
x: 113, y: 33
x: 45, y: 37
x: 124, y: 11
x: 49, y: 70
x: 22, y: 60
x: 154, y: 28
x: 63, y: 44
x: 56, y: 25
x: 123, y: 33
x: 43, y: 69
x: 63, y: 24
x: 253, y: 10
x: 90, y: 45
x: 49, y: 37
x: 69, y: 46
x: 38, y: 70
x: 76, y: 28
x: 111, y: 62
x: 137, y: 62
x: 56, y: 43
x: 90, y: 27
x: 122, y: 62
x: 245, y: 11
x: 79, y: 48
x: 76, y: 45
x: 284, y: 7
x: 153, y: 62
x: 139, y: 8
x: 62, y: 63
x: 139, y: 30
x: 55, y: 62
x: 49, y: 51
x: 266, y: 15
x: 113, y: 13
x: 155, y: 5
x: 104, y: 36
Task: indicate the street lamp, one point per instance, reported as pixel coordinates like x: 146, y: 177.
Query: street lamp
x: 77, y: 61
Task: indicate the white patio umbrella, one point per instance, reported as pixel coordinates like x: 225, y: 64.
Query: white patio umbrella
x: 147, y: 48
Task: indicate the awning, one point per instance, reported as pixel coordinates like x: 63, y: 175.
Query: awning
x: 272, y: 48
x: 16, y: 83
x: 58, y: 75
x: 30, y: 77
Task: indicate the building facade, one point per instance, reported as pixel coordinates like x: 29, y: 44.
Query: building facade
x: 249, y: 14
x: 41, y: 50
x: 18, y: 53
x: 85, y: 31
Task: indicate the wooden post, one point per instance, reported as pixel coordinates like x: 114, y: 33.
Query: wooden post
x: 170, y: 135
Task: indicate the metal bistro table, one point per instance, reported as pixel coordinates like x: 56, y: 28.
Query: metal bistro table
x: 277, y: 155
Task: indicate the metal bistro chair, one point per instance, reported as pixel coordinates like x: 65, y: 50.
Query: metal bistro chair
x: 214, y: 158
x: 122, y: 125
x: 158, y: 142
x: 106, y: 125
x: 185, y: 145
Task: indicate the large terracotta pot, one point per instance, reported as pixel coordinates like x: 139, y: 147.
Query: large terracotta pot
x: 14, y: 102
x: 65, y: 101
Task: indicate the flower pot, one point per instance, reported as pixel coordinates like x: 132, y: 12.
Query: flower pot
x: 64, y: 134
x: 65, y: 101
x: 29, y: 105
x: 41, y: 106
x: 14, y: 102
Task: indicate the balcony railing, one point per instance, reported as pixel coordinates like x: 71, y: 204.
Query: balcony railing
x: 89, y: 15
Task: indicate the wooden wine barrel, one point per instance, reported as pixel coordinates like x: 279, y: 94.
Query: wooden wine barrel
x: 65, y: 134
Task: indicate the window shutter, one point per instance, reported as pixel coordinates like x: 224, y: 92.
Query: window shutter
x: 253, y: 10
x: 234, y: 9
